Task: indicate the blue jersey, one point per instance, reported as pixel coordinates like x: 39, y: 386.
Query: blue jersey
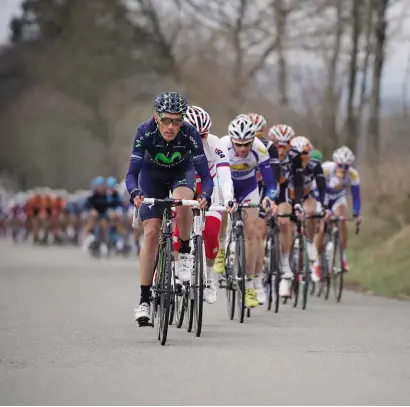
x: 152, y: 151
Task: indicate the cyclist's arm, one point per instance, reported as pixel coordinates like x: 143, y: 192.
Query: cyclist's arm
x: 223, y: 171
x: 199, y: 159
x: 274, y: 162
x: 355, y: 189
x: 137, y: 155
x: 320, y: 182
x: 265, y: 169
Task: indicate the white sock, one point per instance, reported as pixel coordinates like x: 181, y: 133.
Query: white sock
x: 210, y: 273
x: 284, y: 259
x: 258, y: 280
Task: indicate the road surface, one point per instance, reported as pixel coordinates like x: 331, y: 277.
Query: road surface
x: 67, y: 337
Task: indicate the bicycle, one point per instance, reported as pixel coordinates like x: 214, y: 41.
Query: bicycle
x: 234, y: 276
x: 300, y: 263
x: 164, y: 277
x: 331, y: 273
x: 272, y: 265
x: 192, y: 292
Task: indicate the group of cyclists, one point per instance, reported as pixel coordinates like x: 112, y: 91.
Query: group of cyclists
x: 97, y: 219
x: 174, y: 154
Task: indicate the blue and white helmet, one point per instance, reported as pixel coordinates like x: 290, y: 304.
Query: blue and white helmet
x: 170, y: 102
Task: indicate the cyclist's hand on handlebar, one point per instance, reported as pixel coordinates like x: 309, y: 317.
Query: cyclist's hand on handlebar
x: 138, y: 200
x: 358, y: 219
x: 269, y: 206
x: 299, y: 211
x: 231, y: 207
x: 204, y: 200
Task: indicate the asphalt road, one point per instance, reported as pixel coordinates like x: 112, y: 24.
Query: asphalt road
x: 67, y: 337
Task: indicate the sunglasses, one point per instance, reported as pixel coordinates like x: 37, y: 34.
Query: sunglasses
x: 248, y: 144
x: 342, y: 166
x: 167, y: 121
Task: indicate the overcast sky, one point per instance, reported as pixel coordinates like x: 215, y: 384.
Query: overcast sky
x: 394, y: 72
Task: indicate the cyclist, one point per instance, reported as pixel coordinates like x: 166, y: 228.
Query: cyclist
x: 218, y: 163
x: 166, y: 152
x: 246, y: 154
x: 340, y: 174
x: 312, y: 176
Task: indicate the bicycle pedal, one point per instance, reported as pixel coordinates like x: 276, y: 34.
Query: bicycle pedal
x: 144, y: 322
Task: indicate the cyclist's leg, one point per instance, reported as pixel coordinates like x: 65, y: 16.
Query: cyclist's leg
x: 286, y: 238
x: 249, y: 230
x: 220, y: 258
x: 309, y: 205
x: 183, y: 186
x: 153, y: 185
x: 211, y: 241
x: 319, y: 243
x: 261, y: 230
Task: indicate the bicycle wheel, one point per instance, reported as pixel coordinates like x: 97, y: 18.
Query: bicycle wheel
x: 241, y: 276
x: 180, y: 303
x: 230, y: 284
x: 268, y: 272
x: 277, y: 269
x: 337, y: 269
x: 165, y: 274
x: 198, y: 284
x: 306, y: 274
x: 297, y: 259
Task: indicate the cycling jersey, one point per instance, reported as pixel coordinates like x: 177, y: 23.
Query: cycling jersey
x: 99, y: 202
x: 218, y: 164
x: 290, y: 172
x: 337, y: 183
x: 313, y: 178
x: 243, y: 170
x: 152, y: 152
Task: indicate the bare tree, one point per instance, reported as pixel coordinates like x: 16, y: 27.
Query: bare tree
x: 379, y: 51
x: 351, y: 125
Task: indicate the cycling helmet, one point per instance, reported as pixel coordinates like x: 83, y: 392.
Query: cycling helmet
x: 98, y: 182
x: 343, y: 155
x: 301, y: 144
x: 281, y: 133
x: 259, y: 121
x: 111, y: 182
x: 316, y: 155
x: 242, y: 129
x: 170, y: 102
x: 199, y: 118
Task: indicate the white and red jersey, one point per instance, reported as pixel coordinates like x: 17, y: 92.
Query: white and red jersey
x: 218, y: 164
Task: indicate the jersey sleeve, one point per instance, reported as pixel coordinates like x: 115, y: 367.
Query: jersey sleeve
x: 199, y: 158
x: 265, y: 168
x: 223, y: 171
x: 297, y: 170
x: 137, y: 155
x: 320, y: 182
x: 355, y: 190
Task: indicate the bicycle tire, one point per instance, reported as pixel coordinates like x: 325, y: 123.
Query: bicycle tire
x: 240, y: 251
x: 230, y: 291
x: 198, y: 285
x: 180, y: 306
x: 297, y: 272
x: 338, y: 276
x: 269, y: 273
x: 166, y: 290
x: 277, y: 272
x: 306, y: 274
x: 325, y: 277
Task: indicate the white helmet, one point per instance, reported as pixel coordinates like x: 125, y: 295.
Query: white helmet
x: 259, y: 121
x: 343, y: 155
x: 242, y: 129
x: 301, y: 144
x: 281, y: 133
x: 199, y: 118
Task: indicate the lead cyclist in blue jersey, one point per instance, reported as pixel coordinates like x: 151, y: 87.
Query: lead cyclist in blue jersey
x: 166, y: 152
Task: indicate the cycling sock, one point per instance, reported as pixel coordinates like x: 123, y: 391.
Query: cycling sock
x: 145, y: 294
x: 184, y: 247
